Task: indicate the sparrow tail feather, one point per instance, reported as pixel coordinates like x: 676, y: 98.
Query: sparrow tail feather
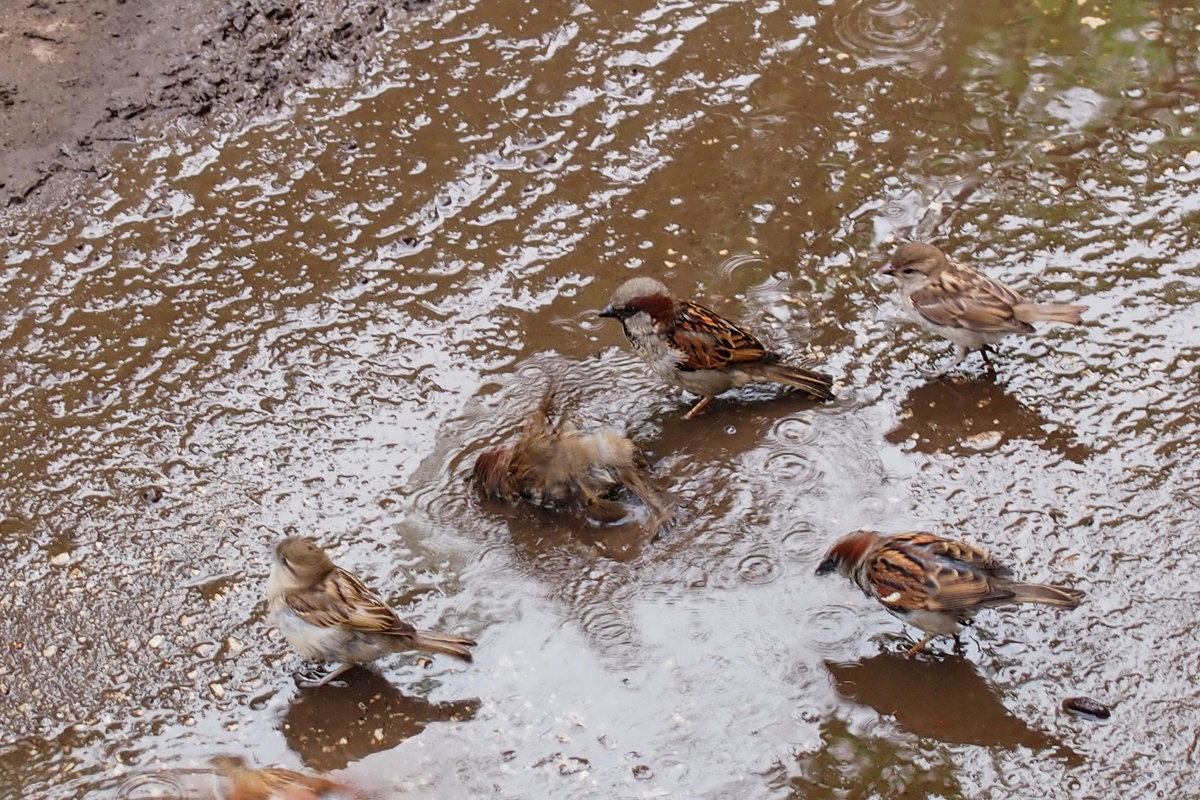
x: 447, y: 643
x: 1034, y: 312
x: 814, y: 384
x: 1061, y: 596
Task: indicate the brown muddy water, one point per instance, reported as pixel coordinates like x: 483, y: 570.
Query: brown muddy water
x: 312, y: 323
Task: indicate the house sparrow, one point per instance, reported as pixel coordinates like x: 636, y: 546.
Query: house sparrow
x: 933, y: 583
x: 963, y: 305
x: 327, y: 614
x: 556, y: 464
x: 698, y: 350
x: 274, y: 782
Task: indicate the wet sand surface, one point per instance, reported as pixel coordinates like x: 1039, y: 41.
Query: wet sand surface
x: 313, y: 321
x: 78, y: 77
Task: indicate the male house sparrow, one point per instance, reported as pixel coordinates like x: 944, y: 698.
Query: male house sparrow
x: 963, y: 305
x: 556, y: 464
x: 698, y: 350
x: 327, y: 614
x: 933, y: 583
x: 246, y: 783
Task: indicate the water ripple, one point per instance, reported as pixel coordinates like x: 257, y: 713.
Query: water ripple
x: 891, y: 32
x: 758, y: 569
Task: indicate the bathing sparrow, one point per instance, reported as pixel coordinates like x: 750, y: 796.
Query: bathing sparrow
x: 698, y: 350
x: 933, y: 583
x: 327, y: 614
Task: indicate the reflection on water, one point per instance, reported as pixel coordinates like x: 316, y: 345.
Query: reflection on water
x: 847, y: 764
x: 944, y: 698
x: 309, y: 321
x: 331, y: 726
x: 961, y: 416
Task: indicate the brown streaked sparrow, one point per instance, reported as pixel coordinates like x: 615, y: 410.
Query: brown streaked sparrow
x: 327, y: 614
x: 689, y: 346
x: 555, y: 464
x: 246, y: 783
x: 963, y: 305
x: 933, y: 583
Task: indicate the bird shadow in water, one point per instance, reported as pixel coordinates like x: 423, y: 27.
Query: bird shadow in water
x: 943, y: 698
x: 963, y: 416
x: 536, y: 531
x: 331, y: 726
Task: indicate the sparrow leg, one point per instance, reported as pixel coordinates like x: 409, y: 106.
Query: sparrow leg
x: 309, y: 684
x: 698, y: 407
x: 959, y: 354
x: 983, y: 351
x: 916, y: 648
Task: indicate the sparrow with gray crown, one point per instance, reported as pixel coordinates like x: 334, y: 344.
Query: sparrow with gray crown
x: 327, y: 614
x: 963, y: 305
x: 698, y: 350
x: 932, y: 583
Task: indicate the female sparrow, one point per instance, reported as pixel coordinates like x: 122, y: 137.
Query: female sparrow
x: 963, y: 305
x: 327, y: 614
x: 556, y: 464
x: 273, y: 782
x: 698, y: 350
x: 933, y: 583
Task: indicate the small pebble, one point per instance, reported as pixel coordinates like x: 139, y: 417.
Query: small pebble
x: 152, y: 494
x: 1086, y: 707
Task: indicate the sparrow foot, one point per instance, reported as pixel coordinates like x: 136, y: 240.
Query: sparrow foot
x: 960, y: 353
x: 314, y: 679
x: 932, y: 374
x: 919, y: 646
x: 696, y: 409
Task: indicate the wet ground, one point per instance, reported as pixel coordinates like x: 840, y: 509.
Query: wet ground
x: 313, y: 323
x: 78, y: 77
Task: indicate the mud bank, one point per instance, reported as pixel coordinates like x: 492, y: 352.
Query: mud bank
x: 78, y: 78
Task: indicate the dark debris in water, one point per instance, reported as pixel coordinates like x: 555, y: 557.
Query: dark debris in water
x: 1087, y: 708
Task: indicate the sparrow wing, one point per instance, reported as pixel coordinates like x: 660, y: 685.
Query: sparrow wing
x: 277, y: 780
x: 960, y: 297
x: 709, y: 341
x: 640, y: 484
x: 342, y: 601
x: 954, y: 551
x: 920, y: 571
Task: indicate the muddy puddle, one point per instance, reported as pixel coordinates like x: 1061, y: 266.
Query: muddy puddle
x: 313, y: 323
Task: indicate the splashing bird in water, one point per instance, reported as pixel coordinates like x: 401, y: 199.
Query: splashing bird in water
x: 327, y: 614
x: 932, y: 583
x: 698, y: 350
x: 246, y: 783
x: 962, y: 304
x: 555, y: 464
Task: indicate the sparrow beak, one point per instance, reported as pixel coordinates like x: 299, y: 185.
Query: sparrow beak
x: 827, y: 566
x: 886, y: 269
x: 608, y: 311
